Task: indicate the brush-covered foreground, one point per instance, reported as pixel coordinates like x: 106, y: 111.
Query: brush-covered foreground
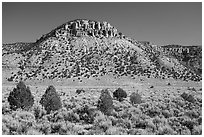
x: 163, y: 110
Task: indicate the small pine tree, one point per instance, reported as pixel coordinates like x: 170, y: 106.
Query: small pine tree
x: 135, y: 98
x: 51, y: 100
x: 105, y: 102
x: 21, y: 97
x: 119, y: 94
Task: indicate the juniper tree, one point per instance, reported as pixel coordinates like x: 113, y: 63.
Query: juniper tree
x: 119, y: 94
x: 105, y: 102
x: 51, y: 100
x: 21, y: 97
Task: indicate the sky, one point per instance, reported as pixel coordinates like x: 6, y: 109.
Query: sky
x: 161, y: 23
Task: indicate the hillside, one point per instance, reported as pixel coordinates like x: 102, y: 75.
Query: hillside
x: 85, y: 48
x: 189, y: 56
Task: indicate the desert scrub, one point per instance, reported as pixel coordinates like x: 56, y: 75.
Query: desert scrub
x: 105, y: 102
x: 6, y: 109
x: 26, y: 120
x: 87, y: 113
x: 115, y: 131
x: 120, y: 94
x: 176, y: 124
x: 33, y: 131
x: 38, y: 111
x: 79, y: 91
x: 118, y: 106
x: 188, y: 97
x: 197, y: 130
x: 135, y: 98
x: 18, y: 122
x: 138, y: 122
x: 165, y: 130
x: 58, y: 128
x: 102, y: 121
x: 51, y: 100
x: 21, y: 97
x: 166, y: 113
x: 44, y: 127
x: 10, y: 126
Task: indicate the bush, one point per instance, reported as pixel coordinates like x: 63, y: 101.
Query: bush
x: 78, y: 91
x: 187, y: 97
x: 10, y: 126
x: 51, y: 100
x: 119, y: 94
x: 102, y: 121
x: 105, y: 102
x: 33, y: 131
x: 38, y: 111
x: 87, y: 113
x: 21, y: 97
x: 135, y: 98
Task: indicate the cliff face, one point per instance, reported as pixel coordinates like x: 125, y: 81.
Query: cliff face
x: 84, y: 27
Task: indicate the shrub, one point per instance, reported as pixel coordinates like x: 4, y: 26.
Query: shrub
x: 33, y: 131
x: 188, y: 97
x: 166, y: 113
x: 119, y: 94
x: 166, y: 130
x: 21, y: 97
x: 197, y: 130
x: 38, y: 111
x: 115, y: 131
x: 51, y: 100
x: 78, y: 91
x: 10, y: 125
x: 5, y: 109
x: 102, y: 121
x: 87, y: 114
x: 105, y: 102
x: 135, y: 98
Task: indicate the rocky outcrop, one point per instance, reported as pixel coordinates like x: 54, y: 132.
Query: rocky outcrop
x: 83, y: 27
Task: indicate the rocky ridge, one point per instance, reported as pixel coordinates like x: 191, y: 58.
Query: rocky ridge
x: 87, y: 48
